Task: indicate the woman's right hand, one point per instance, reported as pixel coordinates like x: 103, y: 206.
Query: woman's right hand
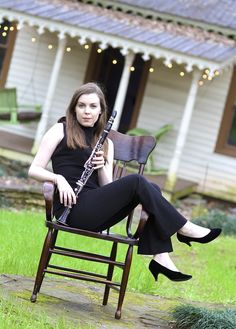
x: 67, y: 195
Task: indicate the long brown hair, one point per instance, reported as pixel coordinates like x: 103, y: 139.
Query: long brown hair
x: 75, y: 134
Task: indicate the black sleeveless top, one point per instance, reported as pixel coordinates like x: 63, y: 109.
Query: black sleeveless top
x: 70, y: 163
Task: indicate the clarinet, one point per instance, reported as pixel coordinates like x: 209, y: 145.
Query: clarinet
x: 88, y: 167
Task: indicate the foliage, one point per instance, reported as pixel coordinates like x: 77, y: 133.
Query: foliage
x: 218, y: 218
x: 191, y: 317
x: 13, y: 168
x: 158, y: 134
x: 144, y: 132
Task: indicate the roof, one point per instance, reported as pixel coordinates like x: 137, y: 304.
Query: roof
x: 191, y: 46
x: 221, y: 13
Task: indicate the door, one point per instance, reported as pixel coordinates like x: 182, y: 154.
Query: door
x: 106, y: 68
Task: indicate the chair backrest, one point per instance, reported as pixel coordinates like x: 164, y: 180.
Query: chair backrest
x: 130, y: 148
x: 8, y: 101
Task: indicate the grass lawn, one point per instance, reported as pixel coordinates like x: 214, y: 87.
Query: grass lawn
x: 212, y: 265
x: 16, y: 316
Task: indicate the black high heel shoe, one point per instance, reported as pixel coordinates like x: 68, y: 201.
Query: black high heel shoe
x: 156, y: 268
x: 213, y: 234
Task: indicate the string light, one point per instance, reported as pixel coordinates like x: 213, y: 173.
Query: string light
x: 205, y: 75
x: 12, y: 28
x: 18, y: 27
x: 5, y: 28
x: 4, y: 34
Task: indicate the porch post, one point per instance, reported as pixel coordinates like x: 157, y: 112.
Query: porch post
x: 122, y: 90
x: 42, y: 126
x: 182, y: 136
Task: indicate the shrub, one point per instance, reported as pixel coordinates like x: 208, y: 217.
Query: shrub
x: 218, y: 218
x: 190, y: 317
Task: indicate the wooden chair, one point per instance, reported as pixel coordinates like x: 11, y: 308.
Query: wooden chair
x: 127, y: 149
x: 11, y: 111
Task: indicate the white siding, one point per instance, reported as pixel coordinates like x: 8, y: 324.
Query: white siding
x: 30, y: 71
x: 164, y: 102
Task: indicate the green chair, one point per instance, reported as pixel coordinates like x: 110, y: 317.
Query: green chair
x: 11, y: 111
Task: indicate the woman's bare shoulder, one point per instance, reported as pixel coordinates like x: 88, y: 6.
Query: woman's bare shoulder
x: 56, y: 131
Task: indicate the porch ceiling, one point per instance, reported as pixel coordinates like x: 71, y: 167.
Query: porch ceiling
x: 186, y: 45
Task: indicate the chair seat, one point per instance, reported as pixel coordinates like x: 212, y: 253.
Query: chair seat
x: 98, y: 235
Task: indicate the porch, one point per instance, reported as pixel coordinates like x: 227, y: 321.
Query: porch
x: 18, y: 147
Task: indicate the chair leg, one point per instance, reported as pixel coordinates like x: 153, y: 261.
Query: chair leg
x: 42, y: 264
x: 124, y: 281
x: 110, y: 273
x: 52, y: 245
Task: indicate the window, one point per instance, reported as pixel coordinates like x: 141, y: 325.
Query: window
x: 7, y: 40
x: 226, y: 143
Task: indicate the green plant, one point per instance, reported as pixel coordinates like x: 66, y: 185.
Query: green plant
x: 199, y: 210
x: 218, y: 218
x: 158, y: 134
x: 191, y: 317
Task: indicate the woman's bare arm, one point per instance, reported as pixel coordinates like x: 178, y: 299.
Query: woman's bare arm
x: 47, y: 146
x: 38, y: 167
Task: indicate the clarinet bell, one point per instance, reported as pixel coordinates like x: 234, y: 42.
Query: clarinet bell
x: 63, y: 218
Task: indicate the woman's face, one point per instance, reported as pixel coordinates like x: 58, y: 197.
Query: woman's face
x: 88, y: 109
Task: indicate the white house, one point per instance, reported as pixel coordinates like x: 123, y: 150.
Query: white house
x: 161, y: 62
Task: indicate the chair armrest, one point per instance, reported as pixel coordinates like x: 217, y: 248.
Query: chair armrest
x: 48, y: 192
x: 141, y: 224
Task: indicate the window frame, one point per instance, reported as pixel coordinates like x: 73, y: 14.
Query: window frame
x: 222, y: 145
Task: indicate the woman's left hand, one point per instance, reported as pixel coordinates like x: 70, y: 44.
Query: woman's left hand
x: 99, y: 160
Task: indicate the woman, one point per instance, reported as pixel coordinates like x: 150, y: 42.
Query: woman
x: 102, y: 203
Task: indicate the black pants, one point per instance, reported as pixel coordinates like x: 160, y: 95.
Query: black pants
x: 101, y: 208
